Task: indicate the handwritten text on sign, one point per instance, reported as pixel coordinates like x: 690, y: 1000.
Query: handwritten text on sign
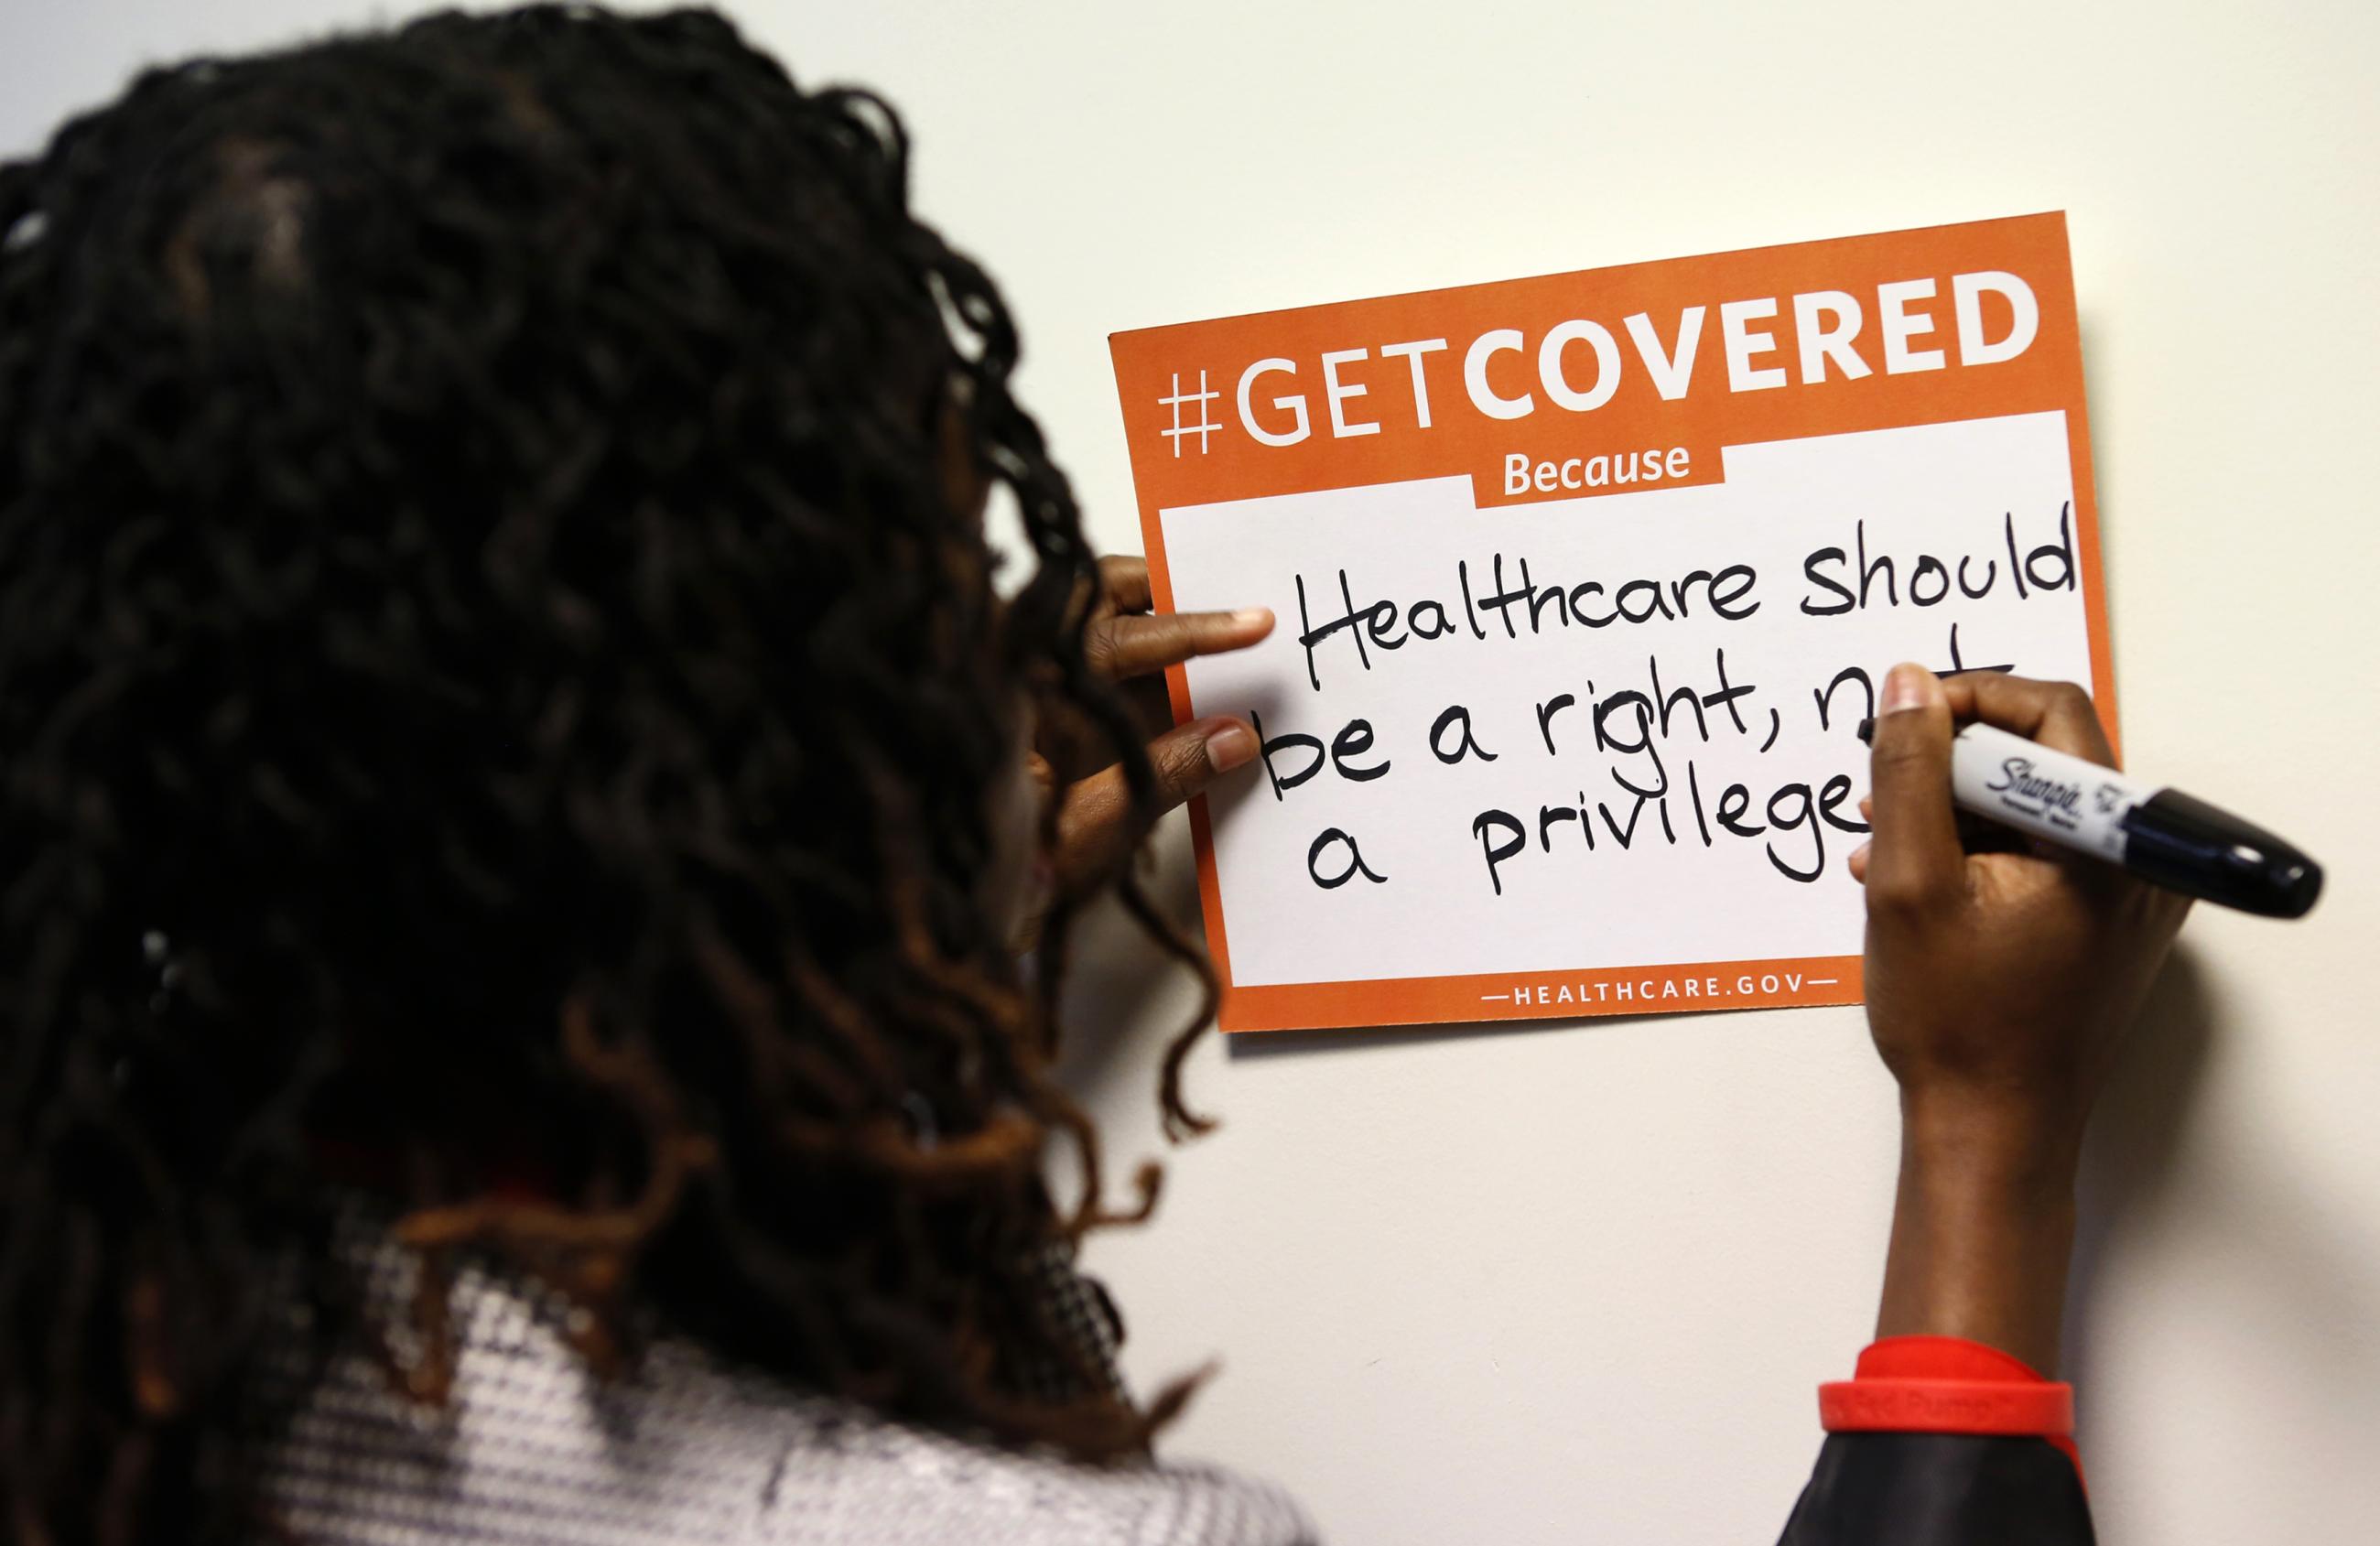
x: 1565, y: 724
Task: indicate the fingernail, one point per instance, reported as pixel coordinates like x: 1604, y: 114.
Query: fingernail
x: 1232, y: 746
x: 1253, y: 617
x: 1906, y: 686
x: 1856, y: 854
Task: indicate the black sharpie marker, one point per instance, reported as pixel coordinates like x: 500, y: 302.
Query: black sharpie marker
x: 2162, y: 836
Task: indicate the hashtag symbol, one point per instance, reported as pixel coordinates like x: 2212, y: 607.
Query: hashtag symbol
x: 1204, y: 426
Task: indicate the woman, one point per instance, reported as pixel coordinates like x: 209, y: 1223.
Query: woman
x: 520, y: 794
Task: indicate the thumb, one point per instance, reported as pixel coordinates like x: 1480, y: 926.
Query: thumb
x: 1187, y: 759
x: 1915, y: 853
x: 1096, y: 829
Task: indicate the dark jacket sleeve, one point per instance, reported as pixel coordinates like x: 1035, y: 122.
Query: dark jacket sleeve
x: 1939, y: 1490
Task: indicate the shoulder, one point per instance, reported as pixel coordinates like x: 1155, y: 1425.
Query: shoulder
x: 531, y: 1444
x: 879, y: 1483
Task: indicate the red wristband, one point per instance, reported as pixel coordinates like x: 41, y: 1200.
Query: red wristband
x: 1947, y: 1384
x: 1942, y: 1384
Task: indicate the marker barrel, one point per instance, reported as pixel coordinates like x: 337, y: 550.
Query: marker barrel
x: 2051, y: 795
x: 2161, y: 835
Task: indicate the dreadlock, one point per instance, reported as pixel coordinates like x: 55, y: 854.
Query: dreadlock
x: 496, y: 697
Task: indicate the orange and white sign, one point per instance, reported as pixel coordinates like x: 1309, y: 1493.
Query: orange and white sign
x: 1585, y: 583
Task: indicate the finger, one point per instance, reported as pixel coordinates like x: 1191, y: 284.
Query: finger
x: 1117, y: 583
x: 1867, y: 809
x: 2058, y: 714
x: 1095, y: 826
x: 1121, y: 647
x: 1094, y: 830
x: 1914, y: 855
x: 1124, y: 582
x: 1189, y: 758
x: 1857, y: 863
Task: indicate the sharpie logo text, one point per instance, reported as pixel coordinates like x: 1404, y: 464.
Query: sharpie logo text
x: 2022, y: 789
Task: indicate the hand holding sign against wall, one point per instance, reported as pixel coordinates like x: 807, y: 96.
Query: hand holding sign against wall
x: 1585, y: 585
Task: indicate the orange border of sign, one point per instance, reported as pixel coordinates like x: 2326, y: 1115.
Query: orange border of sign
x: 1458, y: 440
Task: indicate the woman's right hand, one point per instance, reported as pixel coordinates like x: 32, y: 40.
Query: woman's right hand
x: 1998, y: 987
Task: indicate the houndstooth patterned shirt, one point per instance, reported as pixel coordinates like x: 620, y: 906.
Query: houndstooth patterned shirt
x: 533, y: 1448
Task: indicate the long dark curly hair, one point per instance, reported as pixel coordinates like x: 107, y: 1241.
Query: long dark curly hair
x: 497, y: 704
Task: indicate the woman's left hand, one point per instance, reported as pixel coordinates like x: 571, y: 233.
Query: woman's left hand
x: 1130, y: 646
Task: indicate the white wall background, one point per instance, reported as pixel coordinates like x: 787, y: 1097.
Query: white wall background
x: 1567, y: 1283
